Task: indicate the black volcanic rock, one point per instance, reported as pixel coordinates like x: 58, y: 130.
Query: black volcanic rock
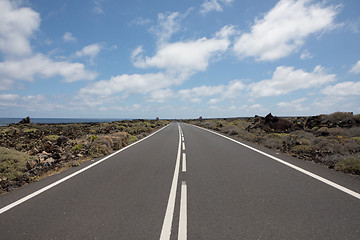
x: 26, y: 120
x: 272, y: 124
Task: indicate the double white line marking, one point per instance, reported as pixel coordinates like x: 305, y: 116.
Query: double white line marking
x: 166, y: 228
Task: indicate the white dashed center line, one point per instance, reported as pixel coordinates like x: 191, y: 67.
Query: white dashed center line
x: 184, y: 162
x: 182, y: 234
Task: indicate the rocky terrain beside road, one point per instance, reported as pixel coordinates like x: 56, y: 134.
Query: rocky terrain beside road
x: 30, y: 151
x: 332, y: 140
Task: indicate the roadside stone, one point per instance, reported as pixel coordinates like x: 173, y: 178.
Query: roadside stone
x: 56, y: 155
x: 30, y: 164
x: 26, y: 177
x: 42, y: 157
x: 62, y: 140
x: 48, y: 146
x: 65, y: 157
x: 50, y: 161
x: 75, y: 164
x: 33, y: 151
x: 45, y: 153
x: 4, y: 182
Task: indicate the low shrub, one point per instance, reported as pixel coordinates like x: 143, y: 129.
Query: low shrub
x: 12, y: 163
x: 341, y: 119
x: 28, y: 130
x: 119, y: 139
x: 249, y: 136
x: 271, y: 142
x: 337, y: 131
x: 231, y: 130
x: 302, y: 149
x: 77, y: 147
x: 323, y: 131
x: 104, y: 140
x: 277, y: 135
x: 303, y: 141
x: 349, y: 165
x: 354, y: 132
x: 132, y: 139
x: 93, y: 151
x: 240, y: 123
x: 92, y: 138
x: 52, y: 138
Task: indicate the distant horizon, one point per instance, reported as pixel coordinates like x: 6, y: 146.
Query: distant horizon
x: 263, y: 115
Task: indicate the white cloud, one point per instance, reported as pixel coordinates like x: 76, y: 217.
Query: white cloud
x: 68, y: 37
x: 284, y: 29
x: 136, y: 54
x: 40, y: 104
x: 43, y: 67
x: 187, y: 57
x: 6, y: 84
x: 195, y: 100
x: 90, y: 51
x: 356, y: 68
x: 98, y: 9
x: 30, y: 103
x: 213, y: 101
x: 226, y: 32
x: 136, y: 83
x: 34, y: 98
x: 256, y: 106
x: 343, y: 89
x: 17, y: 25
x: 330, y: 104
x: 287, y: 79
x: 232, y: 90
x: 161, y: 95
x: 8, y: 97
x: 203, y: 91
x: 140, y: 21
x: 294, y: 105
x: 213, y: 5
x: 210, y: 5
x: 306, y: 55
x: 168, y: 24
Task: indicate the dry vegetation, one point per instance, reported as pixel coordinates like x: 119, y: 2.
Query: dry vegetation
x: 30, y: 151
x: 332, y: 140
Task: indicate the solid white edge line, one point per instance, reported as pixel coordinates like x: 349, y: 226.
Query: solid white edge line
x: 166, y: 227
x: 182, y: 233
x: 14, y: 204
x: 324, y: 180
x: 184, y: 162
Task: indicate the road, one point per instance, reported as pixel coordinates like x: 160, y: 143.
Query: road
x: 184, y: 182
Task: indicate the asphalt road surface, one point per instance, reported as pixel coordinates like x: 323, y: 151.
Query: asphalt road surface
x: 184, y: 182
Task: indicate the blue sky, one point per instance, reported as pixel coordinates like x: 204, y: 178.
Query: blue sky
x: 178, y: 59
